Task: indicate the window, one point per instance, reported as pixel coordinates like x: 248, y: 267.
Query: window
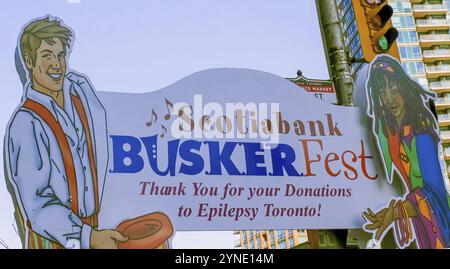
x: 282, y: 244
x: 423, y: 82
x: 407, y: 37
x: 349, y: 16
x: 410, y: 52
x: 273, y: 246
x: 354, y: 45
x: 416, y: 52
x: 290, y: 233
x: 347, y: 20
x: 406, y: 21
x: 413, y: 68
x: 401, y: 6
x: 351, y: 31
x: 404, y: 52
x: 280, y: 235
x: 268, y: 238
x: 359, y: 53
x: 247, y: 235
x: 345, y: 4
x: 291, y: 243
x: 357, y: 66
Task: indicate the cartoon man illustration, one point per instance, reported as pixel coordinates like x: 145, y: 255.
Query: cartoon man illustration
x: 408, y: 141
x: 56, y: 147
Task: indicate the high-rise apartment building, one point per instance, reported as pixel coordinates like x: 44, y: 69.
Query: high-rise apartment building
x: 270, y: 239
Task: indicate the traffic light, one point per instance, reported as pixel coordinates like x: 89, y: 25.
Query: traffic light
x: 376, y: 33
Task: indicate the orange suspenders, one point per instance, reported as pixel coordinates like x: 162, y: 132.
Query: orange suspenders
x: 84, y: 121
x: 66, y: 154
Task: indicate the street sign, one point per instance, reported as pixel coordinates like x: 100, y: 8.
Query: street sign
x: 322, y: 89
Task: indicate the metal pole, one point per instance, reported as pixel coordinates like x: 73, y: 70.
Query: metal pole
x: 337, y: 58
x: 338, y: 68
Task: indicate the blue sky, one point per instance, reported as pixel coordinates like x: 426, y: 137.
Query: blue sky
x: 145, y: 45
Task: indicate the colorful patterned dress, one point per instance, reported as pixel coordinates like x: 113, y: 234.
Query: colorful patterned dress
x: 415, y: 157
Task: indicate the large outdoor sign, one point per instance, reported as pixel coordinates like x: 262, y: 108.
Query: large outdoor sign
x: 222, y: 149
x: 229, y: 149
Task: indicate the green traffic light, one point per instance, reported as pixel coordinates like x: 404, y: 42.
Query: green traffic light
x: 383, y: 43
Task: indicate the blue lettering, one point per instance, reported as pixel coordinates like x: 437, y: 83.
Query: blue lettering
x: 151, y: 147
x: 218, y: 158
x: 279, y: 162
x: 187, y: 154
x: 136, y: 163
x: 252, y: 159
x: 127, y: 158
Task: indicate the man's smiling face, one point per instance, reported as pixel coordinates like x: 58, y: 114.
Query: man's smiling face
x: 50, y: 67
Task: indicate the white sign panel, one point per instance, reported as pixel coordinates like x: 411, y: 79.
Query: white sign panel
x: 250, y: 154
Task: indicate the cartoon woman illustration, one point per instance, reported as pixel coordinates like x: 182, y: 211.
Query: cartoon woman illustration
x: 406, y: 132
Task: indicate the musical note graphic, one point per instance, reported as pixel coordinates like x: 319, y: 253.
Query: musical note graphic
x: 169, y: 107
x: 164, y: 131
x: 153, y: 118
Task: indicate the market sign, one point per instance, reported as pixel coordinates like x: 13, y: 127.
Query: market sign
x: 229, y: 149
x: 321, y: 89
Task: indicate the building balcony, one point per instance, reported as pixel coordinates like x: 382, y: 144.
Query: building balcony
x: 440, y: 86
x: 430, y: 56
x: 445, y: 135
x: 447, y: 154
x: 446, y: 178
x: 442, y: 103
x: 429, y: 40
x: 425, y: 25
x: 444, y: 120
x: 420, y: 11
x: 435, y: 71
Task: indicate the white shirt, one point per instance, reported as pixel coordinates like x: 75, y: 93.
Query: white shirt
x: 36, y: 167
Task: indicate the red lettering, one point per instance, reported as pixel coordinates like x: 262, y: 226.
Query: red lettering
x: 363, y: 158
x: 308, y: 161
x: 349, y: 167
x: 328, y: 161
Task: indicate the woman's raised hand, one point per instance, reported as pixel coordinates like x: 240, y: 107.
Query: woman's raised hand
x: 380, y: 220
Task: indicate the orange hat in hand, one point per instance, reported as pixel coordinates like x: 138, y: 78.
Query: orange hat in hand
x: 146, y: 232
